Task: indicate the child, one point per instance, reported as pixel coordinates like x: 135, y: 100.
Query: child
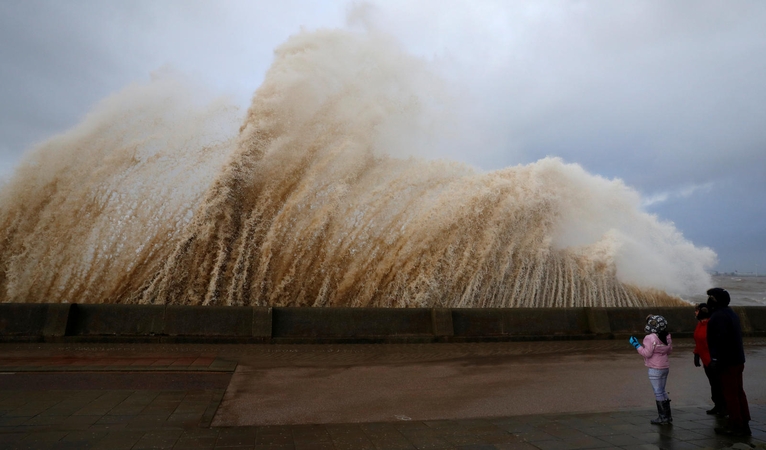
x: 655, y: 350
x: 701, y: 352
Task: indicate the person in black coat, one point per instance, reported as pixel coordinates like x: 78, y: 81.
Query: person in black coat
x: 727, y: 357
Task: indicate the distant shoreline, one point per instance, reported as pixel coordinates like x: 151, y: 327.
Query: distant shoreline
x: 738, y: 274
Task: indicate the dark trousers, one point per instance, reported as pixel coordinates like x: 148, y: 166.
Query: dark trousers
x: 716, y: 388
x: 734, y: 393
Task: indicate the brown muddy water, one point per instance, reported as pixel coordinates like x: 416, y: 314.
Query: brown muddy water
x: 320, y: 196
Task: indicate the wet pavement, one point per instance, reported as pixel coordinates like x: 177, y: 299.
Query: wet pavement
x: 524, y: 395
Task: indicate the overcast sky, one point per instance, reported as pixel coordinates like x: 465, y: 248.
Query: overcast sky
x: 668, y: 96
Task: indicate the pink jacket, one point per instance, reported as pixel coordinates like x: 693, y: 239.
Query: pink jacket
x: 656, y: 353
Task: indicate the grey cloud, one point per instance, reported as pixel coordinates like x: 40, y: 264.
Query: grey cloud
x: 60, y: 58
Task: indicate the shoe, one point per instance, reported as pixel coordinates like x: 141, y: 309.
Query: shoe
x: 741, y: 431
x: 730, y: 432
x: 716, y: 411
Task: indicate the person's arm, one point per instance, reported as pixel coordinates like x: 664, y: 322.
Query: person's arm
x: 699, y: 336
x: 647, y: 349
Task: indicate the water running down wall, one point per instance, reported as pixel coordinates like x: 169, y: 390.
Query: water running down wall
x: 158, y: 199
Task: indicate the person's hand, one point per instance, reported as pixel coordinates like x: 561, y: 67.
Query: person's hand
x: 696, y: 360
x: 634, y: 342
x: 713, y: 364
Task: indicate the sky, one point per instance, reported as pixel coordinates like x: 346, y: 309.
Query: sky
x: 667, y: 96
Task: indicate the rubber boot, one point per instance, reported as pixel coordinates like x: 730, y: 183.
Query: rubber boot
x: 666, y: 408
x: 661, y: 419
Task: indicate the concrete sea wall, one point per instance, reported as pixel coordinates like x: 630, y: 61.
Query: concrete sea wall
x: 22, y: 322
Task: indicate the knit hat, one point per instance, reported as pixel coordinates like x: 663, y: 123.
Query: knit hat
x: 655, y: 324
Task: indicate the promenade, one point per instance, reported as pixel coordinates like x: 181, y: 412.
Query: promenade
x: 514, y: 395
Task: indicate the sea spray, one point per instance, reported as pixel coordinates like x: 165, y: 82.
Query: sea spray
x: 89, y: 215
x: 314, y: 202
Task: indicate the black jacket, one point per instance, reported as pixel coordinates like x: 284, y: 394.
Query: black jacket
x: 724, y: 337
